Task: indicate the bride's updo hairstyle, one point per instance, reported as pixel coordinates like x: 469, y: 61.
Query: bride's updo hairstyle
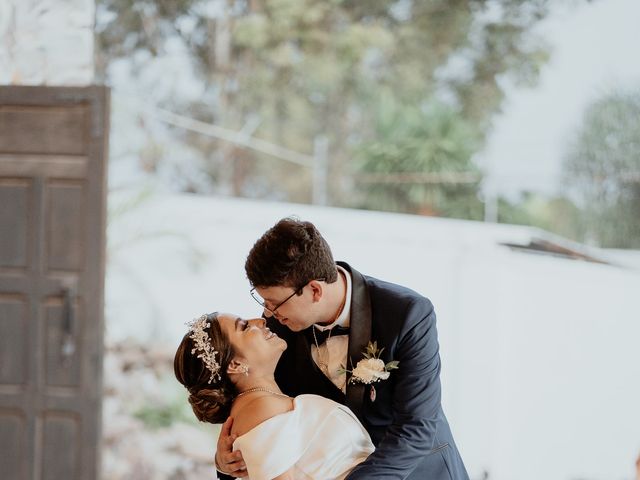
x: 210, y: 394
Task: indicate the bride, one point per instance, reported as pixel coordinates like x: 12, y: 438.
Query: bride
x: 227, y: 364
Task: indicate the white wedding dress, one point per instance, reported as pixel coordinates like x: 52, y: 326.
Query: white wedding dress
x: 319, y: 438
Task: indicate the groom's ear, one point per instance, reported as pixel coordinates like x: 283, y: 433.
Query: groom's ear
x: 316, y: 290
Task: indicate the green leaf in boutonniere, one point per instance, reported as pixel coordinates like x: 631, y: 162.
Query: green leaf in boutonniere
x: 392, y: 365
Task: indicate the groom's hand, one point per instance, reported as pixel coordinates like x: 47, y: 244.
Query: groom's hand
x: 228, y: 461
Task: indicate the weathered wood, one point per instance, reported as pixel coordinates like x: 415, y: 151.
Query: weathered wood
x: 57, y: 129
x: 53, y: 143
x: 49, y: 165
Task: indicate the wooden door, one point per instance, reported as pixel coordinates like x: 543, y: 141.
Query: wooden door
x: 53, y: 143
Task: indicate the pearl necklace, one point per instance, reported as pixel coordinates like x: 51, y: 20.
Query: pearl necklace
x: 261, y: 389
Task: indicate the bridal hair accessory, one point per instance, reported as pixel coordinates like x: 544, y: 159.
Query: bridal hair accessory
x: 203, y: 346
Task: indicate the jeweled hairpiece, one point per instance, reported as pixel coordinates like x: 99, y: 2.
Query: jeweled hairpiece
x: 203, y: 347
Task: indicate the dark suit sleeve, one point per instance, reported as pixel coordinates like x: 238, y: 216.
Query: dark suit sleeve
x: 416, y: 401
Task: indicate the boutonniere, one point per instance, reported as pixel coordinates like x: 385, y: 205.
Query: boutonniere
x: 371, y: 368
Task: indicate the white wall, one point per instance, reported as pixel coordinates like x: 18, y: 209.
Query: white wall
x: 550, y: 369
x: 46, y: 42
x: 540, y: 361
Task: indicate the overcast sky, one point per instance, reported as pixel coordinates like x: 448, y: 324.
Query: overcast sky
x: 595, y: 47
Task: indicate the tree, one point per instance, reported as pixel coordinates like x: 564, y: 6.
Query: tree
x: 603, y: 169
x: 296, y: 69
x: 419, y: 161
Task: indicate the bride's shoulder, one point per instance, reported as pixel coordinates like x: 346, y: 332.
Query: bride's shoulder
x: 311, y: 400
x: 253, y: 412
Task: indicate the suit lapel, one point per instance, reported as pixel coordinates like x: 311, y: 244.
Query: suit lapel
x: 359, y: 334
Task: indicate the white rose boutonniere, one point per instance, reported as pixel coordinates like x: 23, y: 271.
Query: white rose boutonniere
x: 371, y: 368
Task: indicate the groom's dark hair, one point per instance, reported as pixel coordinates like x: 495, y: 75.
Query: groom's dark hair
x: 290, y: 254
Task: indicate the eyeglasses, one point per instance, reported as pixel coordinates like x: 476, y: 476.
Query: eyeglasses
x: 273, y: 311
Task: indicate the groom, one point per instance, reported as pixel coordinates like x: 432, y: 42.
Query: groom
x: 328, y: 314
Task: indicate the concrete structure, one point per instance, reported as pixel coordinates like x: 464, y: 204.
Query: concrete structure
x: 46, y: 42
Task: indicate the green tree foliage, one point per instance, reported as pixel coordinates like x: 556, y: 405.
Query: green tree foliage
x: 305, y: 68
x: 603, y: 168
x: 419, y: 162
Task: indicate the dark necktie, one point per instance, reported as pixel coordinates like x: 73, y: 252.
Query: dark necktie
x: 322, y: 335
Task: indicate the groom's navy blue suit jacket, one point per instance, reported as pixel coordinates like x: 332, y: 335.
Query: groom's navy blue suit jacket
x: 406, y: 422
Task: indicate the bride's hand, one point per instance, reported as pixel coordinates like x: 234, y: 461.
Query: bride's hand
x: 228, y: 461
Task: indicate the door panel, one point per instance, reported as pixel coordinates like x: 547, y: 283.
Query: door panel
x: 65, y: 217
x: 62, y: 429
x: 44, y: 128
x: 13, y: 340
x: 14, y: 205
x: 13, y: 434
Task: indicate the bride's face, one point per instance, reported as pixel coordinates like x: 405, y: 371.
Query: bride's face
x: 251, y: 339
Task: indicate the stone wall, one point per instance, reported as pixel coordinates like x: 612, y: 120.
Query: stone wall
x: 47, y: 42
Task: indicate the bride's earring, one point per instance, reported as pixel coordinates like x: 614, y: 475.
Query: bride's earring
x: 237, y: 367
